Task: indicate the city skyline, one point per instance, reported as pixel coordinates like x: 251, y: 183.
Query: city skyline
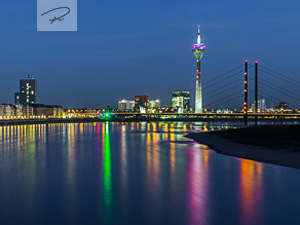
x: 110, y: 114
x: 82, y: 67
x: 30, y: 96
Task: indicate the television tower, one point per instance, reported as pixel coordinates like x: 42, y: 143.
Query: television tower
x: 198, y: 50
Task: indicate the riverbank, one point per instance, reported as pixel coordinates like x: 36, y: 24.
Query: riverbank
x: 277, y: 144
x: 46, y: 121
x: 4, y: 122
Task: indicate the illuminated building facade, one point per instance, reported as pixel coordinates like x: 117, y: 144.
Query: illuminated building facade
x: 261, y: 106
x: 10, y: 110
x: 28, y: 91
x: 283, y: 106
x: 198, y: 50
x: 7, y: 110
x: 27, y: 111
x: 181, y: 100
x: 126, y: 105
x: 162, y: 110
x: 141, y: 101
x: 154, y: 103
x: 47, y: 110
x: 19, y: 110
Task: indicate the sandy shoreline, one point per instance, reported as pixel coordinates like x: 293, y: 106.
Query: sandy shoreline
x: 226, y: 147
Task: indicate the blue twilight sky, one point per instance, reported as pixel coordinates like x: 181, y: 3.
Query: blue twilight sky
x: 124, y: 48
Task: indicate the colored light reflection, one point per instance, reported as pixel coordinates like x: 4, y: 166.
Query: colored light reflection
x: 205, y: 128
x: 198, y: 189
x: 250, y: 189
x: 184, y: 128
x: 123, y: 153
x: 166, y: 182
x: 154, y: 127
x: 172, y: 156
x: 107, y: 182
x: 153, y: 165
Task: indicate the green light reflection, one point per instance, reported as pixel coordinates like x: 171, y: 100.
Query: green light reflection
x: 107, y: 182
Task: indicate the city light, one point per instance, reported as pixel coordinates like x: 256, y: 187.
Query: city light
x: 198, y: 51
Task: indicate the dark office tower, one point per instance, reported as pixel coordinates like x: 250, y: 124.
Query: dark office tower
x: 141, y: 101
x: 17, y: 98
x: 181, y: 99
x: 28, y: 91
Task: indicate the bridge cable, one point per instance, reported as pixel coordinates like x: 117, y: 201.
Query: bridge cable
x: 290, y: 82
x: 280, y: 74
x: 234, y: 94
x: 227, y: 86
x: 275, y: 85
x: 221, y: 80
x: 224, y: 74
x: 281, y: 92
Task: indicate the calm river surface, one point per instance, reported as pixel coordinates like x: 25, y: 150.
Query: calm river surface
x: 136, y: 173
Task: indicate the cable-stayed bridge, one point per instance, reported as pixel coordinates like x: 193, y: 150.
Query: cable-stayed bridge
x: 235, y: 90
x: 226, y: 91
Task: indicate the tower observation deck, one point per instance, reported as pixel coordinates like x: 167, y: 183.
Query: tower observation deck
x: 198, y: 50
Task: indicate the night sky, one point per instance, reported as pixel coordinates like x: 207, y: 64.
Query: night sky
x: 124, y: 48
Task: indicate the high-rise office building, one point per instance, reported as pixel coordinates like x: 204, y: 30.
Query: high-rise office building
x: 126, y: 105
x: 198, y: 50
x: 181, y: 99
x: 261, y: 106
x: 141, y: 101
x: 28, y: 91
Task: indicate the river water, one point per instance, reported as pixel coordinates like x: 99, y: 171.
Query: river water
x: 136, y: 173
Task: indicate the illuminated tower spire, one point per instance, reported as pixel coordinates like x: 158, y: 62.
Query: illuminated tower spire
x: 198, y: 50
x: 198, y: 38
